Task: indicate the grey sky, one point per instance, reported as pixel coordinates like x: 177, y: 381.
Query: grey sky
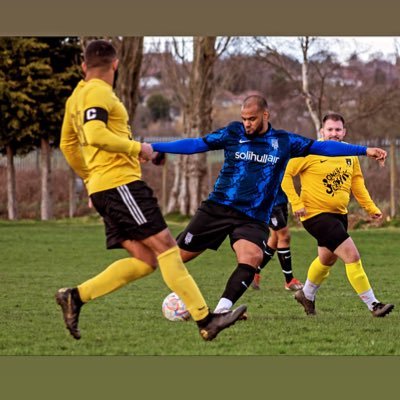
x: 343, y: 46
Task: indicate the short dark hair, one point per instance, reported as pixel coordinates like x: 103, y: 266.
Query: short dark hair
x: 334, y: 116
x: 255, y: 98
x: 99, y: 53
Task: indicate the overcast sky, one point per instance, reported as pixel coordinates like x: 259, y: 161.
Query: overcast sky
x: 365, y: 46
x: 343, y: 46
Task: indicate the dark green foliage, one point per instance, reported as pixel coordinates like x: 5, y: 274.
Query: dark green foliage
x: 159, y: 107
x: 18, y: 67
x: 36, y: 75
x: 50, y: 93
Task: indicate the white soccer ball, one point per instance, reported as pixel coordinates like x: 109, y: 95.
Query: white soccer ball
x: 174, y: 309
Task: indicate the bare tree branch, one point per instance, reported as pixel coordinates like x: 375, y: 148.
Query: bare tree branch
x: 222, y: 45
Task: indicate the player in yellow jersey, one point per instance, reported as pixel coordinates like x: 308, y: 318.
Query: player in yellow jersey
x: 97, y: 143
x: 326, y: 183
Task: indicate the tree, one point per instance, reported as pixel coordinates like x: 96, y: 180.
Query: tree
x: 193, y: 84
x: 309, y: 75
x: 62, y: 55
x: 37, y: 75
x: 20, y: 65
x: 374, y: 114
x: 159, y: 107
x: 130, y: 54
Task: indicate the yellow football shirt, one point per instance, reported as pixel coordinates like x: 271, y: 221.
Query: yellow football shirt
x: 96, y: 139
x: 326, y: 184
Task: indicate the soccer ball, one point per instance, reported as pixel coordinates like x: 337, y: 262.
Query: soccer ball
x: 174, y: 309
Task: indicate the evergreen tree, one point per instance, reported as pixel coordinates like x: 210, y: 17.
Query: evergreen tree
x: 36, y: 75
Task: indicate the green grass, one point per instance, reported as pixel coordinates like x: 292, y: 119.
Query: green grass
x: 39, y: 257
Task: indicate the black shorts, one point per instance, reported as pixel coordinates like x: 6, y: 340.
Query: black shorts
x: 213, y: 222
x: 329, y: 229
x: 279, y: 217
x: 130, y: 212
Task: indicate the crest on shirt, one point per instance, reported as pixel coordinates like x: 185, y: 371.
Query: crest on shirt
x: 348, y: 161
x: 275, y: 144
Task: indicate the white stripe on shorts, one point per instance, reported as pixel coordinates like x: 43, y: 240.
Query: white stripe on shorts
x: 130, y: 202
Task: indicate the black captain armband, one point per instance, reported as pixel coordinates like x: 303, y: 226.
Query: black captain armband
x: 95, y: 114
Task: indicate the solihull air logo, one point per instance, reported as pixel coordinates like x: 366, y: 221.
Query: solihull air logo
x: 259, y: 158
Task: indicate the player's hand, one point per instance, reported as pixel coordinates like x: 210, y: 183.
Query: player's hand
x: 146, y: 152
x: 300, y: 213
x: 376, y: 216
x: 378, y: 154
x: 159, y: 158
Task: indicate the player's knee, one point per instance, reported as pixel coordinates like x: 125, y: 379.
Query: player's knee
x: 348, y: 251
x: 328, y: 260
x: 257, y: 260
x: 350, y: 256
x: 283, y: 237
x: 253, y: 258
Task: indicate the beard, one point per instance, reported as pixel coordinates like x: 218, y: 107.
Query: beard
x: 335, y: 139
x: 257, y: 130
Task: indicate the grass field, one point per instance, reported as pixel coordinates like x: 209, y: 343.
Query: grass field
x: 39, y: 257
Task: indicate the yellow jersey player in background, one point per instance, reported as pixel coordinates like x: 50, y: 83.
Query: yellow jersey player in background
x: 97, y: 143
x: 326, y: 183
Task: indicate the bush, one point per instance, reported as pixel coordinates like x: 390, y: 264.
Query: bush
x: 159, y: 107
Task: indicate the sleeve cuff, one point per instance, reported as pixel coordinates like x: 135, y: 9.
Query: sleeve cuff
x: 297, y: 206
x: 135, y: 149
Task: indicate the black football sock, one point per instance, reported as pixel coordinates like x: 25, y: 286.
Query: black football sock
x: 268, y: 254
x: 238, y: 282
x: 285, y: 259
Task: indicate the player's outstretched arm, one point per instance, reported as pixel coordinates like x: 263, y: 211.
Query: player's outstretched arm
x: 332, y: 148
x: 183, y: 146
x: 378, y: 154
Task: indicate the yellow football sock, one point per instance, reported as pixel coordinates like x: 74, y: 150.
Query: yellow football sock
x: 357, y: 277
x: 112, y: 278
x: 178, y: 279
x: 318, y: 272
